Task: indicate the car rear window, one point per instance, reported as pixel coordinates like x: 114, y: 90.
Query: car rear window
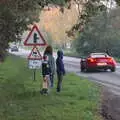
x: 98, y: 55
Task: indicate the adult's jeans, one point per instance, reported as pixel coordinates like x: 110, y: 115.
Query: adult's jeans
x: 51, y: 80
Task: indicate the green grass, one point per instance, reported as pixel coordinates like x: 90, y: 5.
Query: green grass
x: 117, y: 59
x: 73, y: 53
x: 20, y: 98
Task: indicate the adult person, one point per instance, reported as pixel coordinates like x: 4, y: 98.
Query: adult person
x: 60, y: 69
x: 49, y: 52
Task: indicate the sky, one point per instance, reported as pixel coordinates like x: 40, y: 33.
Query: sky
x: 110, y: 4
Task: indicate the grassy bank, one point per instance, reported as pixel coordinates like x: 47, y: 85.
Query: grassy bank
x: 73, y: 53
x: 20, y: 98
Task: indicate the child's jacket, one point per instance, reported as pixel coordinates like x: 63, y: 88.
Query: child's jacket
x: 59, y: 63
x: 45, y: 68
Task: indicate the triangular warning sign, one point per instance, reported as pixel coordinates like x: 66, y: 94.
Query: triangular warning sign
x: 35, y: 54
x: 34, y: 38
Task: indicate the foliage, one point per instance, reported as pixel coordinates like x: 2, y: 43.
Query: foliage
x: 89, y: 8
x: 49, y: 38
x: 55, y: 23
x: 101, y: 34
x: 118, y: 2
x: 16, y: 16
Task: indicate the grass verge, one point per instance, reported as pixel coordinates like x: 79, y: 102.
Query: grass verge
x: 20, y: 98
x: 71, y: 54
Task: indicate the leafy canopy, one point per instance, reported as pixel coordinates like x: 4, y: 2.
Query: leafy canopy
x: 101, y: 34
x: 16, y: 15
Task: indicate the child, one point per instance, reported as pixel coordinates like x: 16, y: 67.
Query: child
x: 60, y: 69
x: 46, y: 75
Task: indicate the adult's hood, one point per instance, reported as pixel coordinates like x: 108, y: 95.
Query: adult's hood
x: 60, y: 54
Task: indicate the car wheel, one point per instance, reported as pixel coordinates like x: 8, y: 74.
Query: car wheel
x: 82, y: 69
x: 113, y: 69
x: 87, y: 69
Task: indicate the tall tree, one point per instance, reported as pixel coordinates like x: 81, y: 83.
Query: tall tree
x: 86, y: 9
x: 101, y: 34
x: 118, y: 2
x: 15, y: 16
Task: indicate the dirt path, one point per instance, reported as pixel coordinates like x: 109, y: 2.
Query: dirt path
x: 110, y: 105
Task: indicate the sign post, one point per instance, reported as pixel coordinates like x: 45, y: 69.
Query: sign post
x: 34, y: 39
x: 34, y: 60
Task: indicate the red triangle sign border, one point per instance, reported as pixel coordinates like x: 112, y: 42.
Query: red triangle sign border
x: 30, y: 58
x: 33, y: 44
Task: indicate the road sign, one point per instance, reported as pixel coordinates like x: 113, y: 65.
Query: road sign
x: 35, y: 38
x: 34, y: 64
x: 35, y: 54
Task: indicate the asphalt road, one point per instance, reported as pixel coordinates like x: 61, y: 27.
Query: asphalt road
x: 108, y: 79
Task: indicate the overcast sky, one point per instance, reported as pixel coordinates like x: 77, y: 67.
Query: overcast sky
x: 110, y: 4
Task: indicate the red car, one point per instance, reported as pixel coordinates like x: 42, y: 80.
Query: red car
x: 97, y: 61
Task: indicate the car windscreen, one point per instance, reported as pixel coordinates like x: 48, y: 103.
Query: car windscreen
x: 98, y: 55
